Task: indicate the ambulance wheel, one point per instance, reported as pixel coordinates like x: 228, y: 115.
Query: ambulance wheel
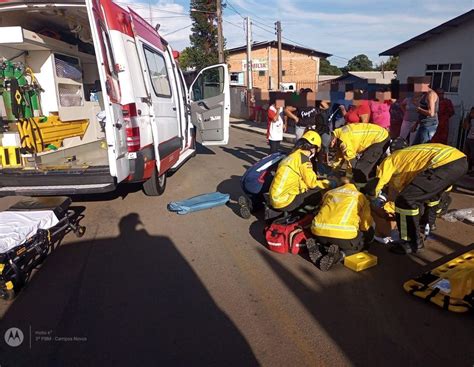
x: 80, y: 231
x: 155, y: 185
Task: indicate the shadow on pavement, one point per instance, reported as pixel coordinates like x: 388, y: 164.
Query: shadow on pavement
x: 201, y: 149
x: 122, y: 191
x: 249, y: 155
x: 136, y: 300
x: 453, y: 245
x: 373, y: 321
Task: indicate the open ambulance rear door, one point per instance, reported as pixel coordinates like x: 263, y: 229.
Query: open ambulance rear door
x: 103, y: 18
x: 210, y: 104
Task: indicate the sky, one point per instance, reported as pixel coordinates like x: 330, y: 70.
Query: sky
x: 343, y: 28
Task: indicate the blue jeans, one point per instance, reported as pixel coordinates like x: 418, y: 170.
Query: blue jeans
x: 424, y: 134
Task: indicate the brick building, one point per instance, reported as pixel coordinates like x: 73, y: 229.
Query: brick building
x: 300, y: 66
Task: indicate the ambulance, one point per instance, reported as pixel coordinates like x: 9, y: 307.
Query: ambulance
x: 91, y: 96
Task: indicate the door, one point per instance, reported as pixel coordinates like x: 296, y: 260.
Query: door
x: 181, y: 95
x: 210, y: 104
x: 165, y: 126
x: 100, y: 13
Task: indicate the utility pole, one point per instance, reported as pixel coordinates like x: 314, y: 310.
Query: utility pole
x: 280, y: 72
x: 220, y: 38
x: 249, y: 56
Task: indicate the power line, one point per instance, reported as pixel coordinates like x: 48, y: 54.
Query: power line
x: 169, y: 16
x: 177, y: 30
x: 157, y: 9
x: 234, y: 24
x: 266, y: 30
x: 240, y: 14
x: 263, y: 24
x: 234, y: 9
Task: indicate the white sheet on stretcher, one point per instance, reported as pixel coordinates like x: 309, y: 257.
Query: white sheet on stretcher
x: 17, y: 227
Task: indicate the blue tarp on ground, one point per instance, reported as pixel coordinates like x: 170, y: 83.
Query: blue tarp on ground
x: 200, y: 202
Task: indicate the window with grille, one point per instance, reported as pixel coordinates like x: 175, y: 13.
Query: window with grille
x: 445, y: 76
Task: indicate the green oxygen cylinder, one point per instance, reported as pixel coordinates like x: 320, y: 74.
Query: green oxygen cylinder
x: 6, y: 73
x: 7, y: 102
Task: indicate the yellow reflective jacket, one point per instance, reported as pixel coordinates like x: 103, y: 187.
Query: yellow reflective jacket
x: 294, y: 176
x: 402, y: 166
x: 343, y: 213
x: 355, y: 138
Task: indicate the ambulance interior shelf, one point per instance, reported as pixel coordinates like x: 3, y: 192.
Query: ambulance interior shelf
x: 54, y: 77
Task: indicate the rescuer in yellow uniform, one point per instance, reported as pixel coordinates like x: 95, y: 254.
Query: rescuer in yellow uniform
x: 341, y: 227
x: 420, y: 173
x: 295, y: 183
x: 362, y: 145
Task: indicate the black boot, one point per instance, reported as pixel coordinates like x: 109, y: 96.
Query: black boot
x: 403, y: 247
x: 314, y: 250
x: 333, y: 256
x: 246, y: 207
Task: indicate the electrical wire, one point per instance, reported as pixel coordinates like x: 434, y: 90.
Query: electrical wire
x: 234, y: 24
x: 234, y: 9
x: 158, y: 9
x: 177, y: 30
x: 264, y: 29
x: 270, y: 29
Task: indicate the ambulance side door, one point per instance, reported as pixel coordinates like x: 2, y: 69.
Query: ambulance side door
x: 210, y: 104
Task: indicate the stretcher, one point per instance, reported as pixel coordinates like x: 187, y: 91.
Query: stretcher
x: 29, y: 231
x: 450, y: 285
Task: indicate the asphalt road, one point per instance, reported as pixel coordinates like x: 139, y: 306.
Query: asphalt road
x: 148, y: 287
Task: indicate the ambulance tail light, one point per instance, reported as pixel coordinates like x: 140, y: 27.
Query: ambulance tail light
x: 130, y: 118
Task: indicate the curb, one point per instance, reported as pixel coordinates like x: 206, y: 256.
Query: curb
x: 287, y: 138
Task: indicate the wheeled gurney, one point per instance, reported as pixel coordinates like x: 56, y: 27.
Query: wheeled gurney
x: 29, y: 230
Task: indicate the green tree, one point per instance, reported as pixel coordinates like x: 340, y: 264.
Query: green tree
x: 390, y: 65
x: 185, y: 58
x: 359, y: 63
x: 325, y: 68
x: 203, y: 50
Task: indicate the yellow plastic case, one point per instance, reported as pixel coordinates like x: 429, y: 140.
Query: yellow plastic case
x: 450, y: 285
x: 10, y: 157
x: 360, y: 261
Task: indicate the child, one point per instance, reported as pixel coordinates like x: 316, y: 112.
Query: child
x: 276, y: 125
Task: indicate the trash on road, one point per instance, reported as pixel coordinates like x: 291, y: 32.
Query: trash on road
x: 463, y: 215
x: 200, y: 202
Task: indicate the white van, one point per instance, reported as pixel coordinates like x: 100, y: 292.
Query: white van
x: 91, y: 96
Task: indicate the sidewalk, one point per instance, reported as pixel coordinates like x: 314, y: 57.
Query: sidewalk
x: 259, y: 128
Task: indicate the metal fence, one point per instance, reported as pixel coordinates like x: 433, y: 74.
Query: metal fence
x: 238, y: 102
